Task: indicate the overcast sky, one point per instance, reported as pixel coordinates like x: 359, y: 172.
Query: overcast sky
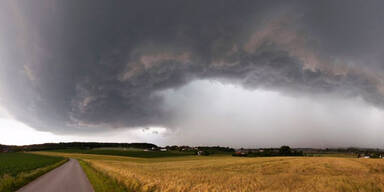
x: 229, y: 72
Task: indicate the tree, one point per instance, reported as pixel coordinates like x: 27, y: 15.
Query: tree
x: 285, y: 150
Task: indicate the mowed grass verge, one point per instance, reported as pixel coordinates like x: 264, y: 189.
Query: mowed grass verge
x: 226, y: 173
x: 100, y: 181
x: 18, y: 169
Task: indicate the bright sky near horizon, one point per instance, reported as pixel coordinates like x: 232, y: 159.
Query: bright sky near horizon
x: 15, y: 132
x: 20, y: 134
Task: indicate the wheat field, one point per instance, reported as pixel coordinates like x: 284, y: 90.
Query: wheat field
x: 226, y: 173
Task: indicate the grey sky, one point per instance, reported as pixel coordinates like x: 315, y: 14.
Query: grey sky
x: 71, y: 67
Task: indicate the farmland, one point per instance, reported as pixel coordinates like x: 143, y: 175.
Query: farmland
x: 226, y: 173
x: 17, y: 169
x: 128, y: 152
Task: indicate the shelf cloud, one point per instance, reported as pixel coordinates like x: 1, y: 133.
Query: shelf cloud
x: 80, y: 66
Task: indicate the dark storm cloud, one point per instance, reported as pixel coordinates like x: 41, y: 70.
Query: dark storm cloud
x: 71, y: 66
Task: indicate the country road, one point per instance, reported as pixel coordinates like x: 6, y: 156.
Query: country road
x: 69, y: 177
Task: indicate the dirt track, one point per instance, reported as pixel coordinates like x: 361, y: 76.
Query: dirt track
x: 69, y: 177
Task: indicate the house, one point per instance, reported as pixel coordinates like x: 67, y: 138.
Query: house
x: 163, y: 149
x: 241, y: 152
x: 5, y: 149
x: 200, y: 153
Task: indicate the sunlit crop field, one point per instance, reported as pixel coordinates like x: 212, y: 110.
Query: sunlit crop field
x: 226, y: 173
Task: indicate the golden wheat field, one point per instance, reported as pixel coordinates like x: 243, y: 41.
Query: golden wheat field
x: 226, y: 173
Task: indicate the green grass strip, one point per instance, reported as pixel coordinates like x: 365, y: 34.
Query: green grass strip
x: 100, y: 181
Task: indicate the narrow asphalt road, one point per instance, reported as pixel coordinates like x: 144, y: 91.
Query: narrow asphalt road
x: 69, y: 177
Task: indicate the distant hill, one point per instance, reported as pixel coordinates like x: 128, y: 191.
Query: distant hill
x: 73, y: 145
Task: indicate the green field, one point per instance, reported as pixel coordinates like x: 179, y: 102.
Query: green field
x: 17, y: 169
x: 128, y: 153
x: 15, y: 163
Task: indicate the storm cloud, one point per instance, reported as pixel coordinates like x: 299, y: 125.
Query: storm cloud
x: 75, y: 66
